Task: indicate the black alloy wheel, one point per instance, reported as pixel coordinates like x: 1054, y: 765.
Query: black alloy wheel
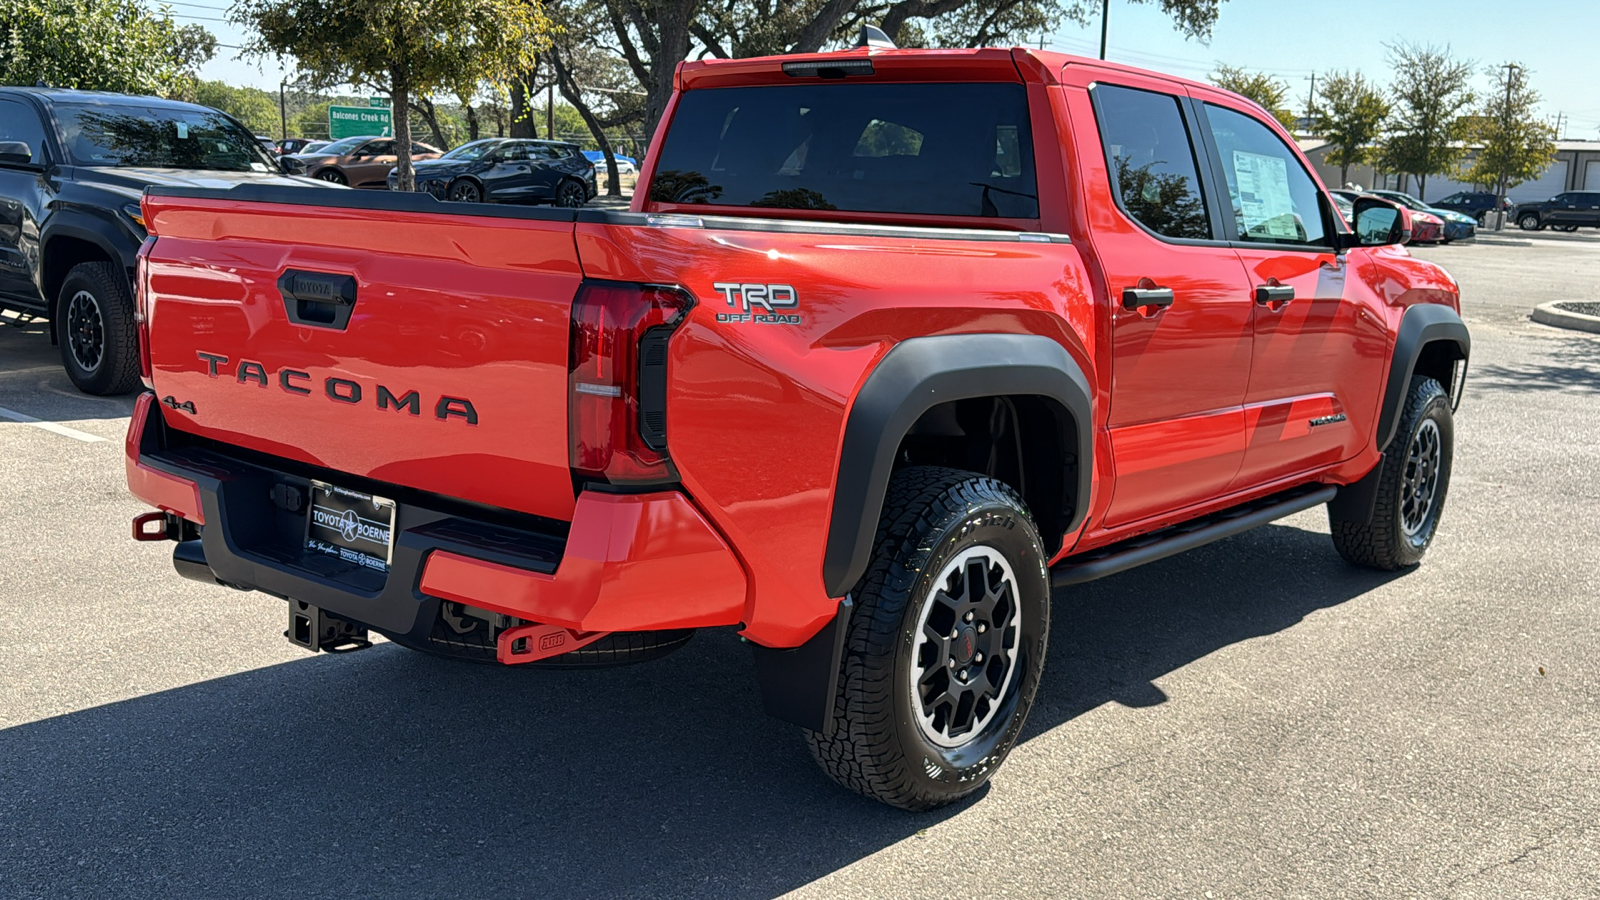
x: 965, y: 647
x: 332, y: 176
x: 86, y: 331
x: 570, y: 194
x: 465, y: 191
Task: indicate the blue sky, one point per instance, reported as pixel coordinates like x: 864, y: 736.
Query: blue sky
x: 1289, y: 38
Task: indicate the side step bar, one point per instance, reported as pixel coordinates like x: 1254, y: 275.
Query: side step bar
x: 1146, y: 548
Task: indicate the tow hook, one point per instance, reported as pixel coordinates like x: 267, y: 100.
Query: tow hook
x: 316, y: 630
x: 533, y: 642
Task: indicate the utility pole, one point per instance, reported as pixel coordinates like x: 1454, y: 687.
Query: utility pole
x: 1505, y: 124
x: 283, y: 113
x: 1560, y: 118
x: 1105, y: 11
x: 1311, y: 103
x: 550, y: 111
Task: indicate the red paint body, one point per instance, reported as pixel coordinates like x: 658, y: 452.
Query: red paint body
x: 1198, y: 407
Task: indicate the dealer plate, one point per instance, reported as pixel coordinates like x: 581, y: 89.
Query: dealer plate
x: 356, y: 527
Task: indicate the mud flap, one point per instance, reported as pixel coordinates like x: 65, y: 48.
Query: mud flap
x: 799, y: 685
x: 1356, y: 501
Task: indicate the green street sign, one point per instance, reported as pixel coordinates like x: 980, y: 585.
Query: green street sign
x: 377, y: 101
x: 354, y: 121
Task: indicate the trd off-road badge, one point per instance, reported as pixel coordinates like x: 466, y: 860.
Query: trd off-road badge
x: 760, y: 303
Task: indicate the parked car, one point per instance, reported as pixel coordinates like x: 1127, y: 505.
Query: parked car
x: 1567, y: 211
x: 1476, y: 204
x: 875, y: 363
x: 362, y: 162
x: 291, y: 146
x: 1426, y: 228
x: 1456, y: 226
x: 268, y: 144
x: 73, y: 165
x: 626, y: 165
x: 507, y: 170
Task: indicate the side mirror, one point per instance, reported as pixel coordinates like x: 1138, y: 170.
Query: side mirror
x: 15, y: 153
x: 1379, y: 222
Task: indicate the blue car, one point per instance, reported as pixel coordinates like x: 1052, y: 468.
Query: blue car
x: 626, y: 165
x: 507, y: 170
x: 1457, y: 226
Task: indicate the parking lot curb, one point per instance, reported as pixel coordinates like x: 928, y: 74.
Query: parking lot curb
x: 1549, y: 314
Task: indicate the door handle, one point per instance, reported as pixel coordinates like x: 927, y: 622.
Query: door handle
x: 1274, y: 296
x: 1140, y: 299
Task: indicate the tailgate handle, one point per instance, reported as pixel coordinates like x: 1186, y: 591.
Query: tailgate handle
x: 318, y: 299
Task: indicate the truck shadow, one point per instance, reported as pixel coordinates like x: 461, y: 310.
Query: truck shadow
x: 387, y: 773
x: 33, y: 383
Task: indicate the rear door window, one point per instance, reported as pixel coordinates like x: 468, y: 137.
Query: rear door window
x: 940, y: 149
x: 1151, y: 161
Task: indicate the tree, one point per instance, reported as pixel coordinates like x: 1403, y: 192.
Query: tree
x: 653, y: 36
x: 1431, y: 90
x: 401, y: 47
x: 1349, y: 116
x: 1517, y: 144
x: 254, y: 108
x: 106, y: 45
x: 1270, y: 93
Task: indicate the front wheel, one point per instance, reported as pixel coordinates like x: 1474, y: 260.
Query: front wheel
x: 95, y: 327
x: 1412, y: 484
x: 1528, y: 222
x: 944, y: 651
x: 332, y: 176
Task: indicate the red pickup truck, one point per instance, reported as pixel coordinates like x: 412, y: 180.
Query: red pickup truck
x: 889, y: 344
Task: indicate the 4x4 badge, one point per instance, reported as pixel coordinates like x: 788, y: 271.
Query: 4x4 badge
x: 171, y: 403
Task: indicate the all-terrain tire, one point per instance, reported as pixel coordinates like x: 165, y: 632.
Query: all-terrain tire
x: 881, y: 743
x: 95, y: 329
x: 1401, y: 528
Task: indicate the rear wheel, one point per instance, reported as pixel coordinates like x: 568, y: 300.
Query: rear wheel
x: 571, y: 194
x: 1411, y: 486
x: 1528, y: 222
x: 944, y: 651
x: 1569, y: 228
x: 95, y: 328
x: 464, y: 190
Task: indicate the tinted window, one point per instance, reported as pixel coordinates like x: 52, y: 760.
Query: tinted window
x: 378, y: 148
x: 1151, y: 161
x: 19, y: 122
x: 924, y: 149
x: 1273, y: 198
x: 170, y: 138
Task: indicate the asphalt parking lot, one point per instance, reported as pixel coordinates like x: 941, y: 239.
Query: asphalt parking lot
x: 1251, y: 719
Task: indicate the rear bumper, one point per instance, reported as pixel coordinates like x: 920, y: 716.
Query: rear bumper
x: 636, y: 562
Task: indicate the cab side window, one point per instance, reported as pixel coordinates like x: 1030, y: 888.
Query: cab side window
x: 18, y: 122
x: 1274, y: 200
x: 379, y: 148
x: 1152, y: 162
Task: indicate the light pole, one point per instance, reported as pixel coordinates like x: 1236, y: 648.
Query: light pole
x: 1105, y: 11
x: 283, y: 113
x: 1505, y: 126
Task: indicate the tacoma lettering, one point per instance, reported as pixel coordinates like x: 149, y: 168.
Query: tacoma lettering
x: 336, y: 389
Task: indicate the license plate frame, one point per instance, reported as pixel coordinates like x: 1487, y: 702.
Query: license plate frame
x: 350, y: 525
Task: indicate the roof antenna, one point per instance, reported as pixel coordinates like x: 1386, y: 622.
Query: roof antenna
x: 873, y: 38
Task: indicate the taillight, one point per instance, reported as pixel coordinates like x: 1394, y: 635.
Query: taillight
x: 617, y: 380
x: 142, y: 303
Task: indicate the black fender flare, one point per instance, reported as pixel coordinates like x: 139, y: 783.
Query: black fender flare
x: 118, y: 244
x: 1421, y: 325
x: 916, y: 375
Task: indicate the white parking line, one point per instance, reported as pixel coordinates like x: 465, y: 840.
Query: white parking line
x: 52, y: 427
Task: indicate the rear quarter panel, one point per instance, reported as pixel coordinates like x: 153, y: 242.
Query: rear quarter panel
x: 756, y: 411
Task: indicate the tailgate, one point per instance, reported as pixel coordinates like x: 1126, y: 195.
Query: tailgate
x: 369, y: 335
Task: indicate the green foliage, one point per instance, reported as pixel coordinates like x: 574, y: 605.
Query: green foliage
x: 1270, y: 93
x: 1431, y: 90
x: 404, y: 47
x: 106, y: 45
x: 256, y: 109
x: 1517, y: 145
x: 1349, y: 116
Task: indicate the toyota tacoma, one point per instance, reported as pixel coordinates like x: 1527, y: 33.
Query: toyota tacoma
x: 890, y: 344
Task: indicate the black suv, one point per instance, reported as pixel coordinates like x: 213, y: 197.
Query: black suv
x: 73, y: 166
x: 1476, y: 204
x: 1566, y: 211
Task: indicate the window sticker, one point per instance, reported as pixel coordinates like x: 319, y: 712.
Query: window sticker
x: 183, y: 131
x: 1265, y: 207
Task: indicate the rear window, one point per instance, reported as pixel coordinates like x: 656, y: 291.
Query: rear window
x: 925, y: 149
